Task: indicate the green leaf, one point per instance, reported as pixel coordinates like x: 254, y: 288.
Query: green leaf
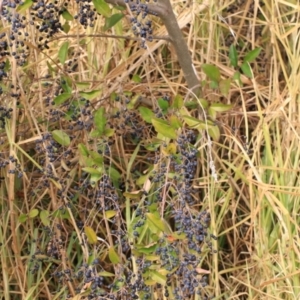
x: 24, y: 6
x: 23, y: 218
x: 113, y: 174
x: 33, y: 213
x: 110, y: 214
x: 224, y: 86
x: 106, y: 274
x: 233, y: 56
x: 63, y: 52
x: 102, y: 8
x: 252, y: 55
x: 66, y: 27
x: 97, y: 158
x: 175, y: 122
x: 100, y: 119
x: 220, y: 107
x: 66, y: 83
x: 61, y: 137
x: 136, y: 78
x: 44, y: 215
x: 163, y: 104
x: 212, y: 72
x: 212, y: 113
x: 158, y: 277
x: 178, y: 102
x: 90, y: 234
x: 237, y: 77
x: 83, y: 149
x: 245, y: 67
x: 113, y: 256
x: 214, y: 133
x: 156, y: 221
x: 146, y: 114
x: 95, y: 134
x: 60, y: 99
x: 164, y: 128
x: 90, y: 95
x: 191, y: 121
x: 109, y: 132
x: 111, y: 21
x: 82, y: 85
x: 67, y: 16
x: 92, y: 170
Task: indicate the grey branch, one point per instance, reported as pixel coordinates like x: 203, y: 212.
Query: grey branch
x: 163, y: 9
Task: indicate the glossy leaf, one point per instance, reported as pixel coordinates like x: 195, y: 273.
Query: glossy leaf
x: 82, y: 85
x: 146, y: 113
x: 90, y: 234
x: 220, y: 107
x: 102, y: 8
x: 163, y: 104
x: 158, y: 277
x: 212, y: 72
x: 24, y: 6
x: 136, y: 78
x: 63, y: 52
x: 110, y: 214
x: 97, y: 158
x: 83, y: 149
x: 252, y: 55
x: 106, y: 274
x: 61, y: 137
x: 178, y: 102
x: 44, y: 215
x: 245, y: 67
x: 66, y: 27
x: 92, y: 170
x: 164, y: 128
x: 224, y: 86
x: 156, y: 221
x: 233, y: 56
x: 100, y: 119
x: 33, y: 213
x: 175, y: 122
x: 67, y: 16
x: 90, y: 95
x: 60, y: 99
x: 112, y: 21
x: 22, y: 218
x: 214, y: 133
x: 113, y: 256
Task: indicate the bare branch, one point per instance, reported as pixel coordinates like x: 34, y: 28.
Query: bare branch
x: 163, y: 9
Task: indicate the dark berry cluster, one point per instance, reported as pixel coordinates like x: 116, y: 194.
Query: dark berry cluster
x: 5, y: 113
x: 141, y: 24
x: 87, y: 14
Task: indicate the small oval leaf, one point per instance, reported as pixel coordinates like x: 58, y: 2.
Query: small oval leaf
x: 63, y: 52
x: 61, y: 137
x: 164, y: 128
x: 212, y: 72
x: 60, y: 99
x: 22, y: 218
x: 113, y: 256
x: 111, y: 21
x: 44, y: 215
x: 100, y: 119
x: 146, y: 113
x: 233, y: 56
x: 33, y: 213
x: 252, y: 55
x: 90, y: 234
x: 102, y: 8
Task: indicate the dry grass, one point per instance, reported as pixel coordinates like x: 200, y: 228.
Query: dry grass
x: 254, y: 205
